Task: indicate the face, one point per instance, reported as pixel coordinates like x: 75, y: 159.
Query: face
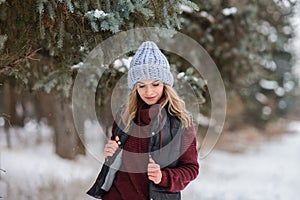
x: 150, y: 90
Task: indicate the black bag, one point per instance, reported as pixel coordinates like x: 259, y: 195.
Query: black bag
x: 109, y: 169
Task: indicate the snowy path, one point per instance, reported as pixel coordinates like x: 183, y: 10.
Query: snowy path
x: 268, y: 172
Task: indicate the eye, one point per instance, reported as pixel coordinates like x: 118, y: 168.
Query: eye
x: 141, y: 86
x: 155, y: 84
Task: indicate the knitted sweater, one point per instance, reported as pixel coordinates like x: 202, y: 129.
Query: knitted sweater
x: 131, y: 181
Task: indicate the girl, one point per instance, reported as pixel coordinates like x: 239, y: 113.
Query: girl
x: 159, y: 158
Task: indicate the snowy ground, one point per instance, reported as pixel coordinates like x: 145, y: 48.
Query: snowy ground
x: 33, y: 171
x: 271, y: 171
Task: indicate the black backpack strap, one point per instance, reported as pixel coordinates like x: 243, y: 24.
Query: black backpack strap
x: 122, y: 136
x: 119, y: 129
x: 96, y: 190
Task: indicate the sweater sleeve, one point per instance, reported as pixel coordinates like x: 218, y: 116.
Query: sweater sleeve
x: 176, y: 179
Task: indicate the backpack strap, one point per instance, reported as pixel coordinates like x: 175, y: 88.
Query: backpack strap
x: 111, y: 165
x: 119, y: 129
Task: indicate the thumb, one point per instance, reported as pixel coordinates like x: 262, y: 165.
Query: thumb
x: 117, y: 138
x: 151, y: 160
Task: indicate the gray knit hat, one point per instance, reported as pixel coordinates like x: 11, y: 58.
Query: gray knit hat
x: 149, y: 63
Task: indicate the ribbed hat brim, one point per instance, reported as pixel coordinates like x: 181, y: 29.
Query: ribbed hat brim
x: 146, y: 71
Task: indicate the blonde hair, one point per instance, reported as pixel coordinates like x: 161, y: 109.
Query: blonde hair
x: 176, y: 107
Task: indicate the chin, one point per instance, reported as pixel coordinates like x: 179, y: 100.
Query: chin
x: 151, y: 102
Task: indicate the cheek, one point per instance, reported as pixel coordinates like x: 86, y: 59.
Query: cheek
x: 160, y: 91
x: 139, y: 92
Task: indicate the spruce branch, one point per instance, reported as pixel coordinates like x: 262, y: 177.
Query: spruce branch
x: 29, y: 55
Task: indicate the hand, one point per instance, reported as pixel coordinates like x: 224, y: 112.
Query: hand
x: 111, y: 147
x: 154, y: 172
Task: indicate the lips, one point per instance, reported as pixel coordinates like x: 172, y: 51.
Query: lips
x: 150, y: 98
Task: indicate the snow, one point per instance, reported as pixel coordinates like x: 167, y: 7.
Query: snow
x: 269, y: 172
x: 267, y: 110
x: 33, y: 171
x: 207, y: 16
x: 261, y: 98
x: 280, y: 91
x: 120, y: 63
x: 2, y: 121
x: 229, y: 11
x: 289, y: 86
x: 186, y: 8
x: 204, y: 121
x: 273, y: 37
x: 77, y: 66
x: 3, y: 38
x: 268, y: 84
x: 180, y: 75
x: 99, y: 13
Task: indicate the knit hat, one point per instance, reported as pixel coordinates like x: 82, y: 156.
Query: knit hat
x: 149, y: 63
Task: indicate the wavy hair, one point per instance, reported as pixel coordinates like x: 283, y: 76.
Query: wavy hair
x: 176, y: 107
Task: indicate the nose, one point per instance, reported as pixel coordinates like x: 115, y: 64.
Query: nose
x: 148, y: 90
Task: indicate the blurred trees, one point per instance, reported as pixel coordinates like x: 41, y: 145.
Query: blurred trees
x: 248, y: 40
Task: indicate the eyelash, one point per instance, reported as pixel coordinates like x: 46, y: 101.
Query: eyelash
x: 153, y: 84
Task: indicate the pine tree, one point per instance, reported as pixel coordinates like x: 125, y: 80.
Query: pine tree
x: 41, y: 39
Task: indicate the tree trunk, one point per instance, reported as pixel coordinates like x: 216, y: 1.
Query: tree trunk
x: 66, y: 139
x: 7, y: 111
x: 44, y: 107
x: 58, y: 113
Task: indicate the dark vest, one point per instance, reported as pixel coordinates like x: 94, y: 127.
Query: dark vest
x: 167, y: 156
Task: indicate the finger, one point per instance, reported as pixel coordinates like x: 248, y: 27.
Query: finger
x: 108, y: 155
x: 109, y: 147
x: 109, y: 152
x: 112, y: 147
x: 153, y: 178
x: 152, y: 174
x: 117, y: 138
x: 153, y: 168
x: 112, y: 144
x: 153, y: 164
x: 151, y: 160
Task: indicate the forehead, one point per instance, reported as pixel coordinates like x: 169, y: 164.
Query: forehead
x: 147, y: 81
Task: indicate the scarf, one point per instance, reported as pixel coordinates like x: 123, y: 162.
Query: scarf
x: 146, y: 114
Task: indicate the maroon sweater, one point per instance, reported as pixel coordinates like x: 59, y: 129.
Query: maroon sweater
x: 131, y: 181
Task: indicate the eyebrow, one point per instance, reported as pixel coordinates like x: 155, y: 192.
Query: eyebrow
x: 147, y: 83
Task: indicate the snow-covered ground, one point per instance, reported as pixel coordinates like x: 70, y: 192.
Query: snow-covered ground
x: 33, y: 171
x: 271, y: 171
